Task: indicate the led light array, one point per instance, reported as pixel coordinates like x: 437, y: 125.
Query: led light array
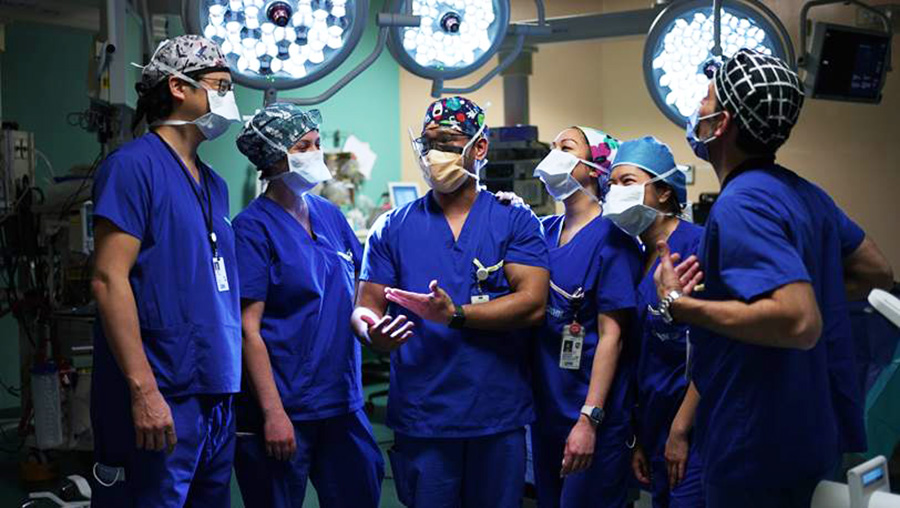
x: 432, y: 45
x: 689, y: 43
x: 254, y: 44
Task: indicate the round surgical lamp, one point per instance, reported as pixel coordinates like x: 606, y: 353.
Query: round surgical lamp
x: 681, y: 43
x: 453, y: 38
x: 279, y: 44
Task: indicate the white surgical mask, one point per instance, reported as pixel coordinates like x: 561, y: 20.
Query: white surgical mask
x: 555, y: 170
x: 223, y: 110
x: 305, y: 169
x: 624, y: 206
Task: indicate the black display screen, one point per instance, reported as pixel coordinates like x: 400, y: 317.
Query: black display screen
x: 851, y: 64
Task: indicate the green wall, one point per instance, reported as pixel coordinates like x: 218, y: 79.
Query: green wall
x: 368, y: 108
x: 44, y: 77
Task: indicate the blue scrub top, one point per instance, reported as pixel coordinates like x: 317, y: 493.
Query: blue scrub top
x: 606, y: 264
x: 190, y: 330
x: 767, y: 416
x: 308, y: 288
x: 661, y: 365
x: 444, y: 382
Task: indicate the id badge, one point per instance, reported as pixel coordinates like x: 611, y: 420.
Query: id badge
x: 480, y: 299
x: 689, y: 358
x: 570, y: 349
x: 221, y: 274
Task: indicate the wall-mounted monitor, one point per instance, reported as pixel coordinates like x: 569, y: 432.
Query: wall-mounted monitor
x: 847, y: 63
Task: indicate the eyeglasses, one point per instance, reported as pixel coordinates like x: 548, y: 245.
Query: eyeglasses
x: 424, y: 144
x: 223, y: 86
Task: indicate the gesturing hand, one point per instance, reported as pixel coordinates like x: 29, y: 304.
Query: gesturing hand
x: 387, y: 334
x: 668, y: 277
x: 435, y: 306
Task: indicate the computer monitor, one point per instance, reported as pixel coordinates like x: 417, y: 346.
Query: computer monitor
x: 402, y: 193
x: 847, y: 63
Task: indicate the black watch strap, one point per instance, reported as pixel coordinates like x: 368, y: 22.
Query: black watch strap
x: 459, y: 318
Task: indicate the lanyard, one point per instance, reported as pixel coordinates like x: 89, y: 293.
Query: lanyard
x: 575, y: 299
x: 207, y: 218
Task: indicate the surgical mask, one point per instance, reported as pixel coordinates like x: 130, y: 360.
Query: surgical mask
x: 555, y: 170
x: 445, y: 172
x: 223, y: 110
x: 699, y: 146
x: 625, y: 207
x: 305, y: 169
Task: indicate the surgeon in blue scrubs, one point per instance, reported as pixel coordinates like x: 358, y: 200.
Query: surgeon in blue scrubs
x: 467, y: 274
x: 583, y: 350
x: 167, y: 350
x: 300, y: 411
x: 646, y: 199
x: 773, y: 256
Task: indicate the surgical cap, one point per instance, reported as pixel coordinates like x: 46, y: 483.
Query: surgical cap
x: 603, y: 146
x: 763, y: 94
x: 278, y: 126
x: 184, y: 54
x: 457, y: 113
x: 654, y: 157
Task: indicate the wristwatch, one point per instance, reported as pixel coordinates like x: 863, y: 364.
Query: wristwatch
x: 594, y: 413
x: 666, y: 304
x: 458, y: 320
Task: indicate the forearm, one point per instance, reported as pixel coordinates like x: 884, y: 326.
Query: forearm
x: 259, y: 370
x: 518, y: 310
x: 760, y: 323
x: 603, y: 369
x: 684, y: 419
x: 118, y: 313
x: 858, y: 286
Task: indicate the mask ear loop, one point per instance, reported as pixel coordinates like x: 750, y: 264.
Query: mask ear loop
x: 601, y: 171
x: 661, y: 178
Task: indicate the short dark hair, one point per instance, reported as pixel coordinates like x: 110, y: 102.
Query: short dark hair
x: 155, y: 103
x: 671, y: 206
x: 745, y: 141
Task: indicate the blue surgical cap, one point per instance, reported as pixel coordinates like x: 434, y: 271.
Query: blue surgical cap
x: 654, y: 157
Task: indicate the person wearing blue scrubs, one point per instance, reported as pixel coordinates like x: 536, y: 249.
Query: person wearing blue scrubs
x: 773, y: 259
x: 467, y: 274
x: 665, y: 457
x: 583, y: 350
x: 167, y: 346
x: 300, y: 411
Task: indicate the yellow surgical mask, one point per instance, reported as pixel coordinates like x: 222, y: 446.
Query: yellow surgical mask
x: 445, y: 172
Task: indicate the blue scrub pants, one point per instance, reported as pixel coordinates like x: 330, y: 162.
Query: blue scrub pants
x: 476, y: 472
x: 196, y: 474
x: 339, y: 455
x: 603, y: 485
x: 799, y: 496
x: 687, y: 494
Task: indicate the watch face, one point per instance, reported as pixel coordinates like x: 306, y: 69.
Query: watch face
x: 597, y: 414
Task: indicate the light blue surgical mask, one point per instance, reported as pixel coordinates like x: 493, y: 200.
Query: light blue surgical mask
x: 699, y: 146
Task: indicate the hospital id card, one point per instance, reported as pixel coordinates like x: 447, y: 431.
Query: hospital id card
x: 221, y: 274
x: 570, y: 349
x: 480, y: 299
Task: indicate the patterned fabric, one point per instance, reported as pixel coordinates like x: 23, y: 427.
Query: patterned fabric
x: 654, y: 157
x: 457, y: 113
x: 184, y: 54
x: 274, y: 130
x: 763, y: 93
x: 603, y: 146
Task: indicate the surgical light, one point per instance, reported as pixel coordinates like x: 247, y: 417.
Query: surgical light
x: 280, y: 44
x: 682, y: 41
x: 453, y: 37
